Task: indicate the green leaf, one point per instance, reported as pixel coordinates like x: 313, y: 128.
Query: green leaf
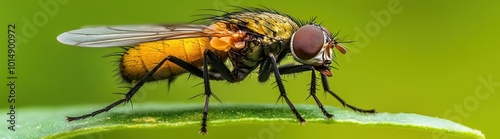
x: 50, y: 123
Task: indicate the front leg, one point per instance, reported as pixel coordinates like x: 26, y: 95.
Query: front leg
x: 293, y: 69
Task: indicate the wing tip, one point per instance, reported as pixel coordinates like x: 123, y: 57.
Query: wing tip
x: 70, y: 39
x: 62, y: 38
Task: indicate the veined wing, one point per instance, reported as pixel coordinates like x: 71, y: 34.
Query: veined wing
x: 109, y: 36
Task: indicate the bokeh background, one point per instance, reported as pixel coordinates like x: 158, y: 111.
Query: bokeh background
x: 436, y: 58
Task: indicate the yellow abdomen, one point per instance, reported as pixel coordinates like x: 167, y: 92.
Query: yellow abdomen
x: 139, y: 60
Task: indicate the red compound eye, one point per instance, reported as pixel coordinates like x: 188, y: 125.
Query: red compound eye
x: 307, y: 41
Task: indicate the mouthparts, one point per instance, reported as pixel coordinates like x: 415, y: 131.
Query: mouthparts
x: 325, y: 70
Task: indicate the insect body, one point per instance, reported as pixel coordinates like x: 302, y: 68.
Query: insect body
x: 249, y: 39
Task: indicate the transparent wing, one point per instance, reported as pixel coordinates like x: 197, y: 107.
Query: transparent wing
x: 109, y: 36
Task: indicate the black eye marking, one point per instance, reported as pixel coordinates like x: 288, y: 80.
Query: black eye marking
x: 308, y: 41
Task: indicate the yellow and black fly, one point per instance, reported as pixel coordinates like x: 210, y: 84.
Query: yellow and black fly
x: 250, y: 38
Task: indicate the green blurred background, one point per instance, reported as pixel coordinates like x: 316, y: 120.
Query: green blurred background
x: 430, y: 58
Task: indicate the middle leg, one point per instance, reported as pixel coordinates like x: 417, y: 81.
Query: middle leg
x: 275, y: 70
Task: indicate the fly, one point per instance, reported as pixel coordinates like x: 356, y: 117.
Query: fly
x: 250, y: 38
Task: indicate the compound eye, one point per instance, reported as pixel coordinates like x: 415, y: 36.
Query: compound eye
x: 307, y: 41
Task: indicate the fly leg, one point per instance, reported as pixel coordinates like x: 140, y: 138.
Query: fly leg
x: 218, y: 64
x: 207, y: 76
x: 127, y: 98
x: 222, y: 69
x: 312, y: 92
x: 225, y: 73
x: 208, y: 93
x: 327, y: 89
x: 275, y: 70
x: 292, y: 69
